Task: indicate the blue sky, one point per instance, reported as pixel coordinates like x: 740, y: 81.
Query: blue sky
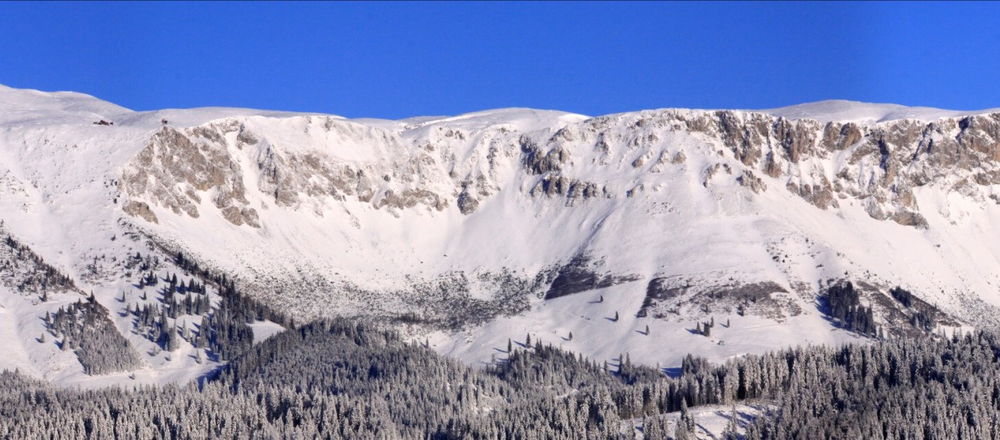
x: 396, y: 60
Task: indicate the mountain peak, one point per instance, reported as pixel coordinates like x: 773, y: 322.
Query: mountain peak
x: 840, y: 110
x: 18, y: 106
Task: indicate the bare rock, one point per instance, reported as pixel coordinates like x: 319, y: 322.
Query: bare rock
x: 466, y: 203
x: 749, y: 180
x: 141, y: 210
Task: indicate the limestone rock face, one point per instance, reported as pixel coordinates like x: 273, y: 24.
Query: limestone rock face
x: 749, y: 180
x: 176, y: 170
x: 141, y: 210
x: 179, y: 169
x: 878, y: 164
x: 241, y: 166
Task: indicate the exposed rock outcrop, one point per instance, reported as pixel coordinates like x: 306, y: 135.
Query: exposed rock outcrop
x: 176, y: 169
x: 878, y: 165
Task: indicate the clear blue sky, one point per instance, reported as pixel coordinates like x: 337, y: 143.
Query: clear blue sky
x: 402, y: 59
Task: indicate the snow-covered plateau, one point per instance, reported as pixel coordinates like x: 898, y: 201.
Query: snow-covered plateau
x: 625, y: 233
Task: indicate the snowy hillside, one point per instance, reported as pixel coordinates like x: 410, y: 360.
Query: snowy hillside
x: 606, y: 235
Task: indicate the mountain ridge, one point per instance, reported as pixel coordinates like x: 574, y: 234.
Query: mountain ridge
x: 821, y: 110
x: 471, y: 229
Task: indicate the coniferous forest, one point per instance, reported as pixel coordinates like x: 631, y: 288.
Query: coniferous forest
x: 347, y: 379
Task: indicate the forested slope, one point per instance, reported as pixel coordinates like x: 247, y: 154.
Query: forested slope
x: 343, y: 379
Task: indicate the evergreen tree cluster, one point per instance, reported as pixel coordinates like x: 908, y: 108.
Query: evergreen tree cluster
x: 238, y: 304
x: 148, y: 280
x: 704, y: 328
x: 902, y: 295
x: 845, y: 306
x: 224, y: 330
x: 342, y: 379
x: 152, y: 322
x: 141, y: 264
x: 922, y: 316
x: 25, y: 271
x: 921, y: 389
x: 85, y: 328
x: 180, y: 299
x: 227, y: 331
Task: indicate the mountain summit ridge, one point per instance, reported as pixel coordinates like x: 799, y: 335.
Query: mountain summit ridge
x: 827, y: 110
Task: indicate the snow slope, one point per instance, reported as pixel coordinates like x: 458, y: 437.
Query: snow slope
x: 474, y: 229
x: 852, y: 111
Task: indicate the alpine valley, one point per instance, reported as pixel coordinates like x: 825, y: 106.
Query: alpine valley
x: 156, y: 247
x: 655, y: 233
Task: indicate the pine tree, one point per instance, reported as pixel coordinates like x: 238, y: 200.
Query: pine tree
x: 686, y: 418
x: 685, y: 425
x: 731, y: 432
x: 173, y: 342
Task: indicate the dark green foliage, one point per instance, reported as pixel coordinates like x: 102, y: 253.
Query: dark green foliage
x: 347, y: 380
x: 702, y: 328
x: 225, y: 330
x: 86, y: 329
x: 922, y: 320
x: 902, y: 295
x: 844, y: 305
x: 341, y: 379
x: 932, y: 388
x: 26, y: 272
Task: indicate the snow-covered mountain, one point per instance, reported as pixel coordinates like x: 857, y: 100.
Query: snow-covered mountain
x: 611, y: 234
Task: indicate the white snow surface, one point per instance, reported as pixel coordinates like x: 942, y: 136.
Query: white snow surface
x: 710, y: 420
x: 59, y: 193
x: 853, y: 111
x: 265, y: 329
